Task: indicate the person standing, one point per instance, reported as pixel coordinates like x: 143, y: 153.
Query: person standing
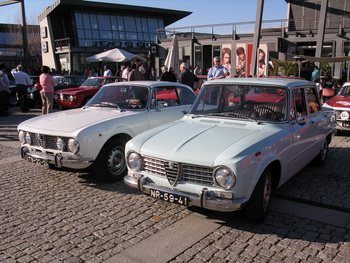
x: 141, y: 67
x: 167, y: 75
x: 135, y: 74
x: 315, y: 74
x: 4, y: 90
x: 186, y: 76
x: 107, y: 72
x: 22, y: 81
x: 47, y: 91
x: 126, y: 72
x: 217, y: 71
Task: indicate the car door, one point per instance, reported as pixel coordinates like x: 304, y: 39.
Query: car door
x: 302, y: 125
x: 168, y: 103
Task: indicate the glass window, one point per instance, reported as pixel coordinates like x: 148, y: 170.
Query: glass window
x: 160, y: 23
x: 96, y: 34
x: 153, y: 38
x: 120, y: 23
x: 106, y: 35
x: 140, y: 36
x: 88, y: 33
x: 78, y: 20
x: 86, y: 21
x: 312, y: 100
x: 130, y: 23
x: 144, y: 24
x: 93, y: 21
x: 104, y: 22
x: 131, y: 36
x: 81, y: 33
x: 298, y: 106
x: 152, y: 25
x: 166, y: 97
x: 114, y: 23
x: 138, y: 24
x: 122, y: 35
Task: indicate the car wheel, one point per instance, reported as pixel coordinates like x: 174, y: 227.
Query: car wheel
x: 110, y: 165
x: 13, y: 101
x: 260, y: 200
x: 322, y: 156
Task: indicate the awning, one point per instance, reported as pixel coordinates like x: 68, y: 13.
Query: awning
x: 324, y: 59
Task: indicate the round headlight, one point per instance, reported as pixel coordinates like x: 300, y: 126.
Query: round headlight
x: 344, y: 115
x: 60, y: 144
x: 56, y: 97
x: 61, y: 96
x: 71, y: 97
x: 27, y: 138
x: 134, y: 161
x: 31, y: 95
x: 73, y: 146
x: 224, y: 178
x: 21, y: 136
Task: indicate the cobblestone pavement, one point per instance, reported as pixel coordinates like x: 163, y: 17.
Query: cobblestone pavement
x: 64, y: 216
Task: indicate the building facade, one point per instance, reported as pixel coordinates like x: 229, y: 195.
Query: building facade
x: 72, y: 30
x: 288, y: 39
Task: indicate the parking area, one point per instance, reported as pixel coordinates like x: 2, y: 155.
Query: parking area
x: 65, y: 216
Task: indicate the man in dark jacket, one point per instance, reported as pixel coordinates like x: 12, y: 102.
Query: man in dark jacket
x: 187, y: 77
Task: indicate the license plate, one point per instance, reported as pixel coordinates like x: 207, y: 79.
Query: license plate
x: 346, y: 124
x: 32, y: 159
x: 172, y: 198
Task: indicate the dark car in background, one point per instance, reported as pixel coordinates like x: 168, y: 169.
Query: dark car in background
x: 62, y: 82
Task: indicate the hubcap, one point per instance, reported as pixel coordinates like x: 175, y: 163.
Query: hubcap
x: 116, y: 160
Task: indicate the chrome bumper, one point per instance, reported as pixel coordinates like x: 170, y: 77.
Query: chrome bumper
x: 57, y: 160
x: 203, y: 200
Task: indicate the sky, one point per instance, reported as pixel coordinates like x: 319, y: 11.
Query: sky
x: 204, y: 12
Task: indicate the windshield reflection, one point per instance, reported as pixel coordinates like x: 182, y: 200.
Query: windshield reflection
x: 238, y: 101
x: 123, y: 97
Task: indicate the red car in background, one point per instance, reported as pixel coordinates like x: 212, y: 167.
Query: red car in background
x: 78, y: 97
x: 341, y: 104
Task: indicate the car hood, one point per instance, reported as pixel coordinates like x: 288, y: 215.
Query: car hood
x: 72, y: 91
x: 199, y: 141
x: 65, y: 122
x: 339, y: 102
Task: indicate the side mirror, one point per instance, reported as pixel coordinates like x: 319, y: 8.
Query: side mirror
x: 301, y: 120
x: 162, y: 103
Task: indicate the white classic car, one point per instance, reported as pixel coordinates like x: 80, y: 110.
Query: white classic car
x: 96, y: 134
x: 341, y: 104
x: 241, y: 139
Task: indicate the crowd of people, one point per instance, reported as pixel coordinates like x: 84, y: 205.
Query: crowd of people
x: 138, y: 71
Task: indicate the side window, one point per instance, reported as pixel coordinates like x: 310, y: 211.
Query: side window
x: 298, y: 105
x: 186, y: 96
x: 166, y: 97
x: 312, y: 100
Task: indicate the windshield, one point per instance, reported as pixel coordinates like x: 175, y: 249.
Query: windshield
x: 123, y: 97
x: 93, y: 82
x: 345, y: 91
x: 242, y: 101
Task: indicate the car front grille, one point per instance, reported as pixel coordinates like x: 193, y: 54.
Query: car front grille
x: 175, y: 172
x: 47, y: 141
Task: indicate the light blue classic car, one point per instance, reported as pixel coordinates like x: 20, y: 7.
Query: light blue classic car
x: 241, y: 139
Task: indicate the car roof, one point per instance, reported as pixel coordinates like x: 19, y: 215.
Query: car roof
x: 277, y: 81
x: 148, y: 83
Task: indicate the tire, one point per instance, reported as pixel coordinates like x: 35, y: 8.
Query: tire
x: 13, y: 101
x: 110, y: 164
x: 259, y: 202
x: 322, y: 156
